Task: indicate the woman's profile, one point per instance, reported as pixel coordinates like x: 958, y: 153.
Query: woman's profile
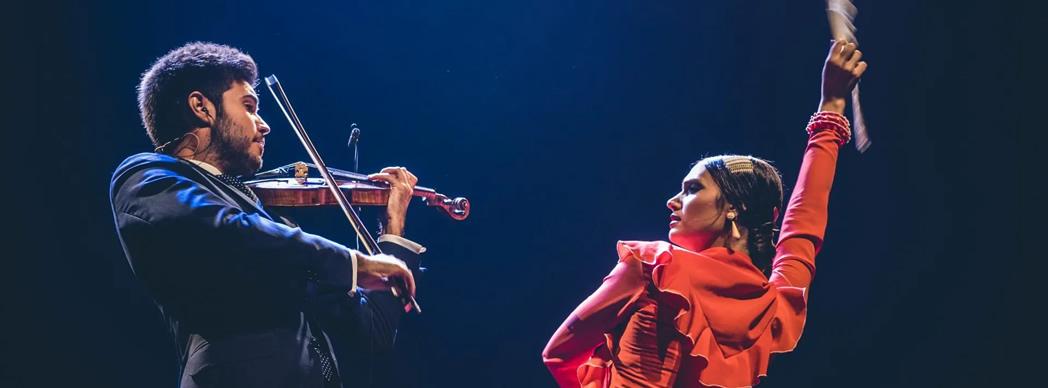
x: 709, y: 307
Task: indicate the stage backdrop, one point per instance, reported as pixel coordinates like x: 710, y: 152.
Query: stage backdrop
x: 568, y: 124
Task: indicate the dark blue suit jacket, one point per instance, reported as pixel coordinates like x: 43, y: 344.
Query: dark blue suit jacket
x: 244, y: 293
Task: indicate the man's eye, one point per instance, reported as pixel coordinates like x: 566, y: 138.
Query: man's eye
x: 250, y: 108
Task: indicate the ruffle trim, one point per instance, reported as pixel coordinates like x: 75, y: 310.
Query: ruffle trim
x: 717, y: 290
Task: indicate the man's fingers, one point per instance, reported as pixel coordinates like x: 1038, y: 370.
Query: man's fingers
x: 403, y: 173
x: 388, y: 271
x: 383, y: 176
x: 411, y: 178
x: 398, y: 174
x: 402, y: 274
x: 409, y: 282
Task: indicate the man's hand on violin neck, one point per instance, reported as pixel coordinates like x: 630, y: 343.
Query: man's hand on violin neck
x: 381, y: 271
x: 402, y: 186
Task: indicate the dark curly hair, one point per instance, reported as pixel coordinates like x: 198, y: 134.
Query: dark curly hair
x: 755, y: 192
x: 208, y: 68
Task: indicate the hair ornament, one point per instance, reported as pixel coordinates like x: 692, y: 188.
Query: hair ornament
x: 737, y: 164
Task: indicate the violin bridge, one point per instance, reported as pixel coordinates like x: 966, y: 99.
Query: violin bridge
x: 301, y: 172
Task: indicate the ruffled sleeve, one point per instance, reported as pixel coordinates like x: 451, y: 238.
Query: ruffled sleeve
x: 730, y: 317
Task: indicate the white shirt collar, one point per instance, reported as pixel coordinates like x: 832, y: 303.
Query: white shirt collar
x: 206, y: 166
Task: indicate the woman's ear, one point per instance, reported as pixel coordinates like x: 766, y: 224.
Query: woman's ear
x: 201, y: 108
x: 732, y: 217
x: 731, y: 212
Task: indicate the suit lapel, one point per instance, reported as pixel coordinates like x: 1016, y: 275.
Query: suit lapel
x: 228, y: 192
x: 237, y: 197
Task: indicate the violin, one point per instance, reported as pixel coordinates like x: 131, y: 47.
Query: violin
x: 301, y: 191
x: 291, y: 186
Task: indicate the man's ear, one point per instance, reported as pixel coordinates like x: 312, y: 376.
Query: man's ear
x: 775, y: 215
x: 201, y: 108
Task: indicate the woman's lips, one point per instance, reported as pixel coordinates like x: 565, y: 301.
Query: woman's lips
x: 674, y: 219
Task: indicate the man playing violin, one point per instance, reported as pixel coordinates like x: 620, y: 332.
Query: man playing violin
x: 251, y: 301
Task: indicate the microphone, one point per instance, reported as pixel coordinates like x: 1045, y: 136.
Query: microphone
x: 354, y: 135
x: 354, y: 138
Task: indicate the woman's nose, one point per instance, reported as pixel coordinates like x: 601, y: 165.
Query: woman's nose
x: 672, y: 203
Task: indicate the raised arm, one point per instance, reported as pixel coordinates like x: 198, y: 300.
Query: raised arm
x: 804, y: 222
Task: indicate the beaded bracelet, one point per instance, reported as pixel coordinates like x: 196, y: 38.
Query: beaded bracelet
x: 821, y: 121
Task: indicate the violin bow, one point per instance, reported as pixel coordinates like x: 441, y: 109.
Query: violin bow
x: 841, y: 14
x: 273, y: 84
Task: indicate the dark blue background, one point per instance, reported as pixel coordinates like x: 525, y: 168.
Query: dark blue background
x: 568, y: 124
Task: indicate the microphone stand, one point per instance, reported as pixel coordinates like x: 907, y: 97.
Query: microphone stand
x: 354, y: 138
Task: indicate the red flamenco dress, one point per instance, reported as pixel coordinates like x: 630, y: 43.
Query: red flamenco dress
x: 670, y: 317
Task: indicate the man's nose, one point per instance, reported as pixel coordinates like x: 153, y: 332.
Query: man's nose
x: 263, y: 128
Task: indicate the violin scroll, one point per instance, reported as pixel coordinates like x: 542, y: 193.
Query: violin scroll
x: 457, y: 209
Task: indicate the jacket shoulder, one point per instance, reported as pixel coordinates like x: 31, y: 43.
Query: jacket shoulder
x: 146, y: 159
x: 163, y: 164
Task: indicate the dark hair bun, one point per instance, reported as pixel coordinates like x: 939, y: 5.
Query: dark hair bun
x: 754, y: 187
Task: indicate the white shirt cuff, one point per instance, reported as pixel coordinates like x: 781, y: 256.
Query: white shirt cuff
x: 353, y: 258
x: 408, y: 244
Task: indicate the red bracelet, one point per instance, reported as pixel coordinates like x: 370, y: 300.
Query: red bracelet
x: 822, y: 121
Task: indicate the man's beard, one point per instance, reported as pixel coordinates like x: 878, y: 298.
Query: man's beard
x: 232, y: 151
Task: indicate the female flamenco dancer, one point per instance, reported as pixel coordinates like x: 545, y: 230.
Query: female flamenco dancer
x: 701, y: 310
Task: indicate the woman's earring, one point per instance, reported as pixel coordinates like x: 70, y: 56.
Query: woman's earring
x: 734, y: 227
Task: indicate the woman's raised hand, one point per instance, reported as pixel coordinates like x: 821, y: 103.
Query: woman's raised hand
x: 839, y: 75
